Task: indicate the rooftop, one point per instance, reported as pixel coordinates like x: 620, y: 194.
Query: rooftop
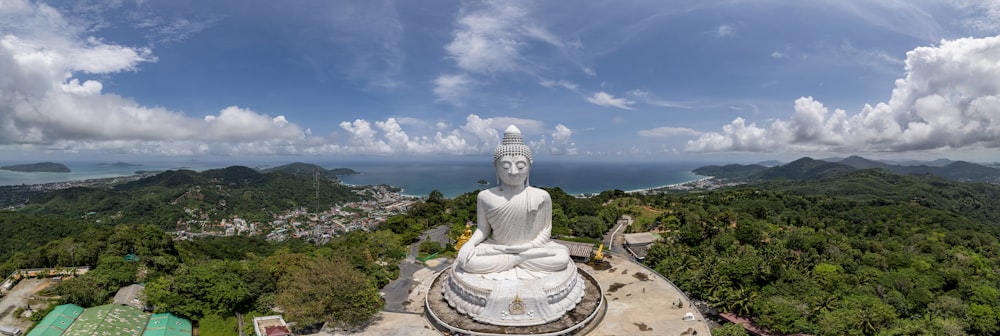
x: 57, y: 321
x: 108, y: 320
x: 641, y: 238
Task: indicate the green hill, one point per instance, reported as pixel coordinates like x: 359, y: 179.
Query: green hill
x: 308, y: 170
x: 810, y: 169
x: 730, y: 171
x: 869, y: 252
x: 41, y: 167
x: 165, y: 198
x: 804, y: 169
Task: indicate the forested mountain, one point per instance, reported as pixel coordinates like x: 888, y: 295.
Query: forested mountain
x: 810, y: 169
x: 730, y: 171
x: 218, y: 193
x: 309, y: 170
x: 870, y: 252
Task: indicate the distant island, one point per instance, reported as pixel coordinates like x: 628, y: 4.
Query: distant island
x: 118, y: 164
x: 41, y: 167
x: 309, y: 170
x: 148, y: 172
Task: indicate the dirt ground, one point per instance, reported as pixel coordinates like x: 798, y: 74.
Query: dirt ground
x: 21, y: 296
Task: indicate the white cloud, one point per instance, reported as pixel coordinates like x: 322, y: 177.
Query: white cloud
x: 477, y: 136
x: 493, y: 36
x: 949, y: 98
x: 647, y: 98
x: 604, y: 99
x: 561, y: 83
x: 561, y: 142
x: 778, y: 55
x: 983, y: 15
x: 724, y: 31
x: 490, y: 38
x: 667, y: 131
x: 452, y: 88
x: 45, y: 104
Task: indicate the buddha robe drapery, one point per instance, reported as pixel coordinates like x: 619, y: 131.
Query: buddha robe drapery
x: 524, y: 218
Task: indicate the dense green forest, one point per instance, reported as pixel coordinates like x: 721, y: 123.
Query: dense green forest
x: 868, y: 253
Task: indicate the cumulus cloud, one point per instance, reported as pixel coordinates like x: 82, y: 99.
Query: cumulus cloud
x: 604, y: 99
x: 45, y: 102
x: 561, y: 141
x: 949, y: 99
x: 477, y: 136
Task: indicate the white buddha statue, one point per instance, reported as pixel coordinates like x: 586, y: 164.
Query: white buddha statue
x: 509, y: 272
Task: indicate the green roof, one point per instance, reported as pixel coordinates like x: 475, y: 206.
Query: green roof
x: 57, y: 321
x: 109, y: 320
x: 166, y: 324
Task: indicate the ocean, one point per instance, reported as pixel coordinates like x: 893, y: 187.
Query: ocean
x: 416, y: 177
x: 575, y: 178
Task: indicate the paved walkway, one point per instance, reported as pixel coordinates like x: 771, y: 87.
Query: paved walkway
x: 639, y: 303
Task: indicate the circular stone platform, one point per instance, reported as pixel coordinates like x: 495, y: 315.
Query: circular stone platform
x: 585, y: 315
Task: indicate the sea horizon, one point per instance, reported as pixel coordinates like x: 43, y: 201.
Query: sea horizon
x: 414, y: 177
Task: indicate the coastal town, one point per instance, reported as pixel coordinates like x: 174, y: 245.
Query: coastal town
x: 316, y: 227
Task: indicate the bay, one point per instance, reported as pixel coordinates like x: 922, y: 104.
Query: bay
x: 575, y: 178
x: 452, y: 177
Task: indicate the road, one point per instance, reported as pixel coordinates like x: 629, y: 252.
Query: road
x: 397, y: 291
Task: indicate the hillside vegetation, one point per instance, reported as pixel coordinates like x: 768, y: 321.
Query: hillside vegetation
x: 178, y: 194
x: 810, y: 169
x: 119, y: 233
x: 863, y: 253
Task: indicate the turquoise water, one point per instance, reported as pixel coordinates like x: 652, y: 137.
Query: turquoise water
x: 419, y: 178
x: 456, y: 178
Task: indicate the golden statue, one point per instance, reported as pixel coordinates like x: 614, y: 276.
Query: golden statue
x: 464, y: 237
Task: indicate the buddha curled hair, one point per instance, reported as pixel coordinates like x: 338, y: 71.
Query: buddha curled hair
x: 512, y: 144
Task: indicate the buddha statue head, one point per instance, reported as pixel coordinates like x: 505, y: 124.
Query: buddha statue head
x: 512, y: 159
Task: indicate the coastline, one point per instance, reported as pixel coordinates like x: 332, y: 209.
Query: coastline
x: 690, y: 184
x: 450, y: 178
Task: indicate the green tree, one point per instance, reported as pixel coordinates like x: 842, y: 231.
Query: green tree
x: 328, y: 290
x: 983, y: 319
x: 210, y: 287
x: 729, y: 329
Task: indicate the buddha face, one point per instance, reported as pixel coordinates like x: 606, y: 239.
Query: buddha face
x: 513, y: 169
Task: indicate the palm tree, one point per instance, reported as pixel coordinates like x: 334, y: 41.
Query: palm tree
x: 740, y: 300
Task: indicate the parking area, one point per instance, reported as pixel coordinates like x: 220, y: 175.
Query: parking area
x: 23, y: 295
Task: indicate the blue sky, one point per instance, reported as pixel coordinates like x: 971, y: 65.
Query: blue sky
x: 601, y: 80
